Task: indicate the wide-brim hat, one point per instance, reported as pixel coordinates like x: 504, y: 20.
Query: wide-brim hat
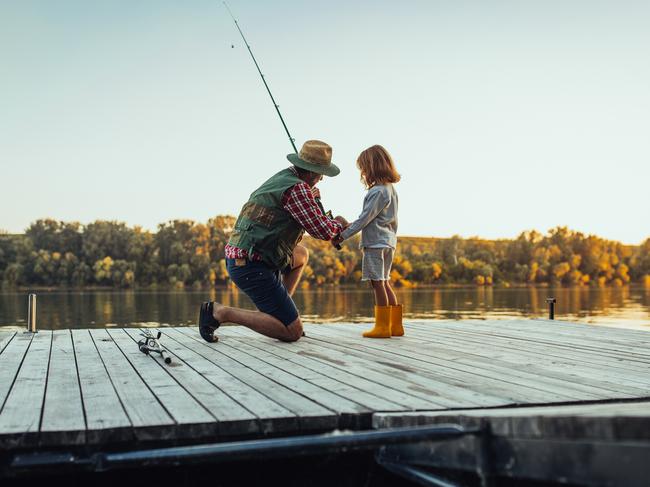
x: 315, y: 156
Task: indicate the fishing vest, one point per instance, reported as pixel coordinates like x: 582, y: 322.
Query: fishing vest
x: 264, y: 226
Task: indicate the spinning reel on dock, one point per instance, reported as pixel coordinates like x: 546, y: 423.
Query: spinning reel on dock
x: 150, y: 343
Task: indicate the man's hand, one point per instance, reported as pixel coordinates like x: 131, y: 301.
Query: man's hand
x: 315, y: 192
x: 336, y: 241
x: 342, y: 221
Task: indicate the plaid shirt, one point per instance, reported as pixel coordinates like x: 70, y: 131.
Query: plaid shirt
x: 302, y: 206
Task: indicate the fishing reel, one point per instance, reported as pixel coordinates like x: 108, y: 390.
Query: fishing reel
x: 150, y: 343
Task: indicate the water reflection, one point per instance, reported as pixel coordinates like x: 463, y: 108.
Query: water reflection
x: 625, y: 306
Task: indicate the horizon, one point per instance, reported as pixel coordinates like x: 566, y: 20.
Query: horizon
x: 500, y: 117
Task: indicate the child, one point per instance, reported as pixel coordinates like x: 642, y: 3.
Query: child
x: 378, y: 226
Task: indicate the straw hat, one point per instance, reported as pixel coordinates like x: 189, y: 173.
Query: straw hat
x: 315, y: 156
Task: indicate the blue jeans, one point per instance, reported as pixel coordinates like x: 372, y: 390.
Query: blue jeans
x: 264, y: 287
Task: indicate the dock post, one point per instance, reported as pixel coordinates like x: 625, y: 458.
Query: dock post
x: 31, y: 314
x: 551, y: 308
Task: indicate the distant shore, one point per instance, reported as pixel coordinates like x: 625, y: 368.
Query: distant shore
x: 188, y: 255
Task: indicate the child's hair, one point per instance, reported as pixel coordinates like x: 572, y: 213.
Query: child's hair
x: 376, y: 167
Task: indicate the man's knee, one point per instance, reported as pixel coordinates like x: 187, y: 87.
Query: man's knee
x: 294, y: 330
x: 300, y: 255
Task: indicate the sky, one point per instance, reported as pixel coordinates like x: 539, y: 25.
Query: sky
x: 501, y: 116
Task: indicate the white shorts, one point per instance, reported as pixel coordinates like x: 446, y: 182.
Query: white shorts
x: 376, y: 264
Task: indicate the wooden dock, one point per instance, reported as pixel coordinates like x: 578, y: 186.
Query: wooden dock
x: 95, y: 389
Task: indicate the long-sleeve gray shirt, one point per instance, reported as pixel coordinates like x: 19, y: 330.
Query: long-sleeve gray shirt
x: 378, y: 219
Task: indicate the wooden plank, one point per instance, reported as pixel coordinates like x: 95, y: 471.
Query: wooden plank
x: 11, y: 359
x: 495, y: 331
x: 491, y: 330
x: 619, y: 340
x: 355, y: 378
x: 21, y: 415
x: 311, y: 415
x: 271, y: 417
x: 430, y: 333
x: 606, y: 335
x: 191, y: 418
x: 562, y: 333
x: 547, y: 337
x: 526, y: 387
x: 363, y: 392
x: 148, y: 417
x: 63, y: 415
x: 249, y: 357
x: 442, y: 390
x: 364, y: 400
x: 272, y: 367
x: 439, y: 364
x: 5, y: 338
x: 247, y: 384
x: 640, y: 409
x: 531, y: 387
x: 232, y: 418
x: 106, y: 418
x: 433, y: 333
x: 572, y: 371
x: 618, y: 370
x: 494, y: 391
x: 537, y: 361
x: 621, y: 421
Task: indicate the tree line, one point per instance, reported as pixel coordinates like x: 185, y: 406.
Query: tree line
x: 183, y: 253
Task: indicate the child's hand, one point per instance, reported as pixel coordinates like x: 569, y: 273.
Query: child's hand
x: 315, y: 192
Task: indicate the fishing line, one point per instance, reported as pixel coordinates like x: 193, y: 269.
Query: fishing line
x: 277, y: 107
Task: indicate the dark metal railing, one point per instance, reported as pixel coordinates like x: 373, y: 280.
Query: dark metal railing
x: 38, y: 463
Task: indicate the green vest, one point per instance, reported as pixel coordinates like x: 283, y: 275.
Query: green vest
x: 264, y: 226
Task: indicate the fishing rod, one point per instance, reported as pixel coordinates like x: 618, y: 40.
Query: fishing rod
x: 275, y: 105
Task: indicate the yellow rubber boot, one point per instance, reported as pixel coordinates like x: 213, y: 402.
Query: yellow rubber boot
x: 382, y: 323
x: 396, y: 328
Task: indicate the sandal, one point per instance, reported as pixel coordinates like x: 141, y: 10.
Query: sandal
x: 207, y: 322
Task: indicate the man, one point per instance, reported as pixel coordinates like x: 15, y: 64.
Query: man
x: 263, y: 256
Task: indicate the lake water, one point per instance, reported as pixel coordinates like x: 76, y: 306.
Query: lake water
x: 624, y: 306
